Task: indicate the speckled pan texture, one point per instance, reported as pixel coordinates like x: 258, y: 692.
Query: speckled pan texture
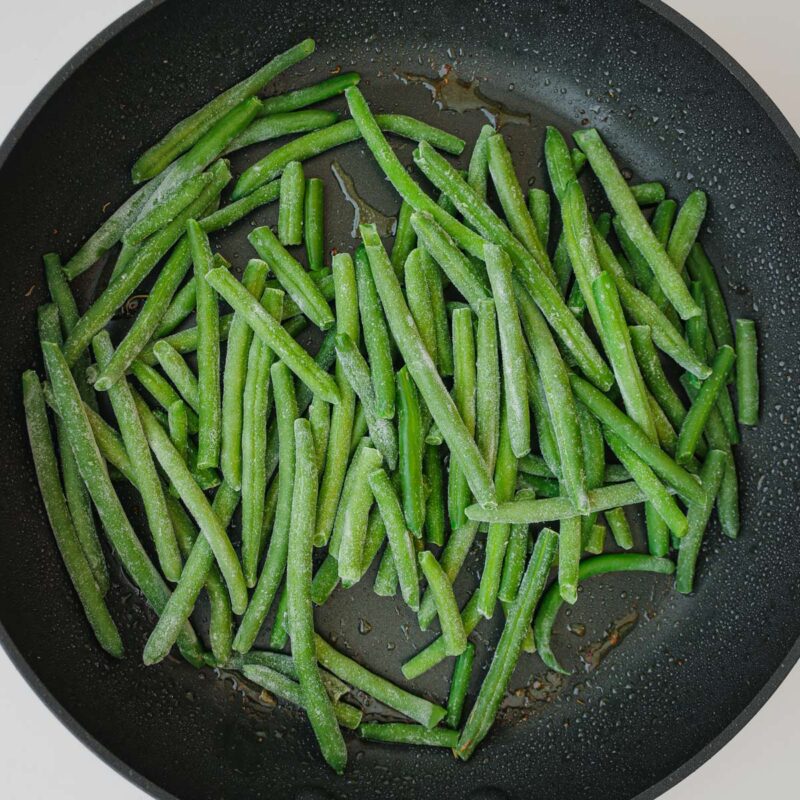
x: 687, y: 671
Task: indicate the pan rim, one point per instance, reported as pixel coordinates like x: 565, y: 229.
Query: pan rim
x: 28, y: 673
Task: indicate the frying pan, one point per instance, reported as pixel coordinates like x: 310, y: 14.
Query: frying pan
x: 632, y: 719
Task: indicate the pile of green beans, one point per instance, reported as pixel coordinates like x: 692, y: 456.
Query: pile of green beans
x: 458, y: 400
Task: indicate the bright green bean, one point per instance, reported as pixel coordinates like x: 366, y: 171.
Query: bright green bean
x: 747, y: 371
x: 516, y: 552
x: 274, y: 126
x: 309, y: 95
x: 403, y: 733
x: 687, y: 226
x: 455, y: 638
x: 459, y: 685
x: 435, y: 504
x: 487, y: 382
x: 701, y: 269
x: 291, y: 204
x: 313, y: 223
x: 620, y: 528
x: 539, y: 209
x: 648, y: 194
x: 478, y: 173
x: 179, y: 372
x: 319, y: 415
x: 509, y: 647
x: 419, y: 300
x: 405, y: 238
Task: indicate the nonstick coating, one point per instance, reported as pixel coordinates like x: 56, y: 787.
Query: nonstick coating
x: 691, y: 670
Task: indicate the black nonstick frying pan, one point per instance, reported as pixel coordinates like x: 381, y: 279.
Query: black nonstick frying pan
x: 687, y: 672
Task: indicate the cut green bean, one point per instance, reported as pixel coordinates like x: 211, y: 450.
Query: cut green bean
x: 464, y: 394
x: 648, y: 194
x: 487, y: 383
x: 512, y: 349
x: 701, y: 269
x: 93, y: 470
x: 478, y: 173
x: 400, y: 540
x: 405, y: 238
x: 254, y: 441
x: 625, y: 205
x: 179, y: 372
x: 403, y: 733
x: 416, y: 708
x: 291, y: 204
x: 386, y: 580
x: 313, y: 223
x: 319, y: 415
x: 435, y: 504
x: 160, y: 389
x: 699, y: 514
x: 419, y: 300
x: 309, y: 95
x: 320, y: 141
x: 590, y: 567
x: 570, y: 546
x: 697, y: 417
x: 300, y: 609
x: 505, y: 481
x: 539, y: 208
x: 687, y: 226
x: 455, y: 638
x: 506, y: 655
x: 181, y: 137
x: 72, y: 553
x: 516, y: 553
x: 444, y: 344
x: 274, y: 126
x: 747, y: 371
x: 338, y: 455
x: 274, y: 335
x: 620, y: 527
x: 459, y: 685
x: 376, y: 337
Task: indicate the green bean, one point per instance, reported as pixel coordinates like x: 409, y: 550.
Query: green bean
x: 310, y: 95
x: 625, y: 205
x: 555, y: 508
x: 181, y: 137
x: 292, y: 277
x: 298, y: 590
x: 240, y: 338
x: 146, y: 257
x: 516, y: 552
x: 459, y: 686
x: 636, y: 438
x: 148, y: 482
x: 620, y: 528
x: 274, y: 335
x: 209, y: 409
x: 357, y: 373
x: 319, y: 415
x: 444, y: 344
x: 542, y: 487
x: 505, y: 480
x: 400, y: 541
x: 509, y: 647
x: 93, y: 471
x: 665, y: 433
x: 527, y: 269
x: 167, y: 209
x: 416, y: 708
x: 291, y: 204
x: 747, y: 371
x: 433, y: 471
x: 696, y: 419
x: 453, y: 633
x: 452, y: 261
x: 512, y: 348
x: 313, y: 223
x: 350, y: 526
x: 386, y: 580
x: 536, y: 466
x: 560, y: 409
x: 590, y: 567
x: 596, y: 539
x: 179, y: 372
x: 662, y: 220
x: 320, y: 141
x: 403, y: 733
x: 233, y: 212
x: 478, y: 174
x: 701, y: 269
x: 338, y: 454
x: 287, y: 689
x: 560, y: 166
x: 78, y: 568
x: 419, y: 301
x: 274, y: 126
x: 539, y: 209
x: 254, y: 442
x: 699, y: 514
x: 405, y: 238
x: 274, y: 566
x: 178, y: 426
x: 642, y: 274
x: 512, y: 200
x: 487, y: 385
x: 541, y: 418
x: 686, y: 227
x: 464, y: 394
x: 648, y: 194
x: 376, y: 337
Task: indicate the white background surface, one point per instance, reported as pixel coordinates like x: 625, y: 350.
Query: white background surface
x: 39, y: 759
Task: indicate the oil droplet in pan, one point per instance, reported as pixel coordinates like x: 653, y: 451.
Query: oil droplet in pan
x: 365, y: 214
x: 451, y: 93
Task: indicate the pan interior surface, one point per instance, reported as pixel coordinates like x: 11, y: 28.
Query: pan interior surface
x: 657, y: 676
